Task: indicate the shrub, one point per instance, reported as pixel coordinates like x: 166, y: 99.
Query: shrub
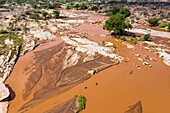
x: 81, y: 100
x: 123, y: 38
x: 56, y: 13
x: 76, y: 6
x: 28, y: 12
x: 146, y: 37
x: 44, y: 13
x: 168, y: 26
x: 153, y: 21
x: 69, y: 7
x: 94, y: 8
x: 134, y: 41
x: 35, y: 16
x: 162, y: 25
x: 83, y: 6
x: 48, y: 6
x: 2, y: 31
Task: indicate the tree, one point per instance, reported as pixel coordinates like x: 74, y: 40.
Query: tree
x: 153, y: 21
x: 117, y: 22
x: 124, y: 11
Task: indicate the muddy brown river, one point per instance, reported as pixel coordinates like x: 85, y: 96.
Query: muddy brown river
x: 129, y: 87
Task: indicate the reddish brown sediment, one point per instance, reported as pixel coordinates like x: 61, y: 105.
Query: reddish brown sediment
x: 56, y: 70
x: 112, y: 90
x: 66, y: 107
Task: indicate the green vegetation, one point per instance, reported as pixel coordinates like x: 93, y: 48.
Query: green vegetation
x: 41, y: 14
x: 69, y: 6
x: 2, y: 31
x: 44, y: 13
x: 81, y: 100
x: 47, y: 6
x: 117, y: 21
x: 81, y: 6
x: 123, y: 38
x: 56, y: 13
x: 131, y: 39
x: 4, y: 35
x: 76, y: 6
x: 153, y: 21
x: 168, y: 26
x: 119, y: 10
x: 163, y: 25
x: 35, y: 16
x: 146, y: 37
x: 94, y: 8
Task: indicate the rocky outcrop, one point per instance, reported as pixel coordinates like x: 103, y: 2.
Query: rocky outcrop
x: 159, y: 49
x: 4, y: 93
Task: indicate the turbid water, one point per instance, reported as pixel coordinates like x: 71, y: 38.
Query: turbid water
x: 112, y: 90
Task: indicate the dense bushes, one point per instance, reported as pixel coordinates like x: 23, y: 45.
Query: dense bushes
x: 153, y: 21
x: 39, y: 14
x: 81, y: 6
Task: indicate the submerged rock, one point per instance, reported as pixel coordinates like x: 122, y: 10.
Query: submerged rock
x: 136, y: 108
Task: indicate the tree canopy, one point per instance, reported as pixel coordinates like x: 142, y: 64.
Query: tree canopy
x: 117, y: 21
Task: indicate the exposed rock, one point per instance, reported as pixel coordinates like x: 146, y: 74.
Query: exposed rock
x: 75, y: 21
x: 41, y: 34
x: 145, y: 63
x: 150, y: 31
x: 66, y: 107
x: 136, y: 108
x: 128, y: 45
x: 108, y: 44
x: 137, y: 55
x: 91, y: 48
x: 158, y: 49
x: 166, y: 57
x: 3, y: 107
x: 91, y: 72
x: 4, y: 92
